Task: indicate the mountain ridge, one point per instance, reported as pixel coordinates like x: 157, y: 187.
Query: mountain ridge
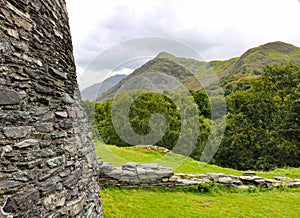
x: 96, y: 90
x: 230, y: 72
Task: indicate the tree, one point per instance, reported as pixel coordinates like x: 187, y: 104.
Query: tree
x: 263, y: 123
x: 202, y: 100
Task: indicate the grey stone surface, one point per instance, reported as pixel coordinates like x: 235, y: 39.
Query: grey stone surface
x: 249, y: 174
x: 57, y: 161
x: 30, y: 164
x: 56, y: 200
x: 63, y: 114
x: 23, y: 201
x: 17, y: 132
x: 76, y: 206
x: 152, y: 175
x: 8, y: 184
x: 7, y: 148
x: 57, y: 73
x: 8, y: 97
x: 293, y: 184
x: 129, y: 166
x: 43, y: 127
x: 67, y: 98
x: 26, y: 143
x: 225, y: 180
x: 280, y: 178
x: 47, y: 160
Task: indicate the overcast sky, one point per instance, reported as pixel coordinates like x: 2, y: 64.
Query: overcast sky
x: 216, y: 29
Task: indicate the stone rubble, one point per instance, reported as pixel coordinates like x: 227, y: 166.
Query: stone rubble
x: 151, y: 175
x: 153, y: 148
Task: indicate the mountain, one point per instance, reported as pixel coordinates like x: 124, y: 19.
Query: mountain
x: 95, y: 91
x: 253, y: 61
x: 230, y: 73
x: 163, y: 72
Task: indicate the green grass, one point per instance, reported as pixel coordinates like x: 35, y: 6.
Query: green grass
x: 189, y: 202
x: 221, y: 66
x: 118, y: 156
x: 177, y: 203
x: 287, y: 172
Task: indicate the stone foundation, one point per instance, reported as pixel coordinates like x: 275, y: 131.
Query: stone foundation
x: 151, y: 175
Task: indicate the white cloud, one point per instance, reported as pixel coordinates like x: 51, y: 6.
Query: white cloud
x: 125, y: 71
x: 217, y: 29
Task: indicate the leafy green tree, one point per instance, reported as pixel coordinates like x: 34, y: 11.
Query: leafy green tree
x: 202, y: 100
x: 263, y: 123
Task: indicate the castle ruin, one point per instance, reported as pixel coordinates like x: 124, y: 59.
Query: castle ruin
x: 47, y: 161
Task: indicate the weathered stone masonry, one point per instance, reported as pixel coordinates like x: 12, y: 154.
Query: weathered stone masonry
x: 47, y: 159
x: 150, y: 175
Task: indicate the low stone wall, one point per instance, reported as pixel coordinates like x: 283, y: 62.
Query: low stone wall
x: 152, y: 175
x: 134, y: 175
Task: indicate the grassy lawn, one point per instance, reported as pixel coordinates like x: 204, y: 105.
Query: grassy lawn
x: 189, y: 202
x: 118, y: 156
x: 163, y: 203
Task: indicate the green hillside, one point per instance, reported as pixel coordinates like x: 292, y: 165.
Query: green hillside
x: 253, y: 61
x: 233, y: 72
x: 157, y: 65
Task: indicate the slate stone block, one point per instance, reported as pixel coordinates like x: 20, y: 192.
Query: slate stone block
x: 9, y: 97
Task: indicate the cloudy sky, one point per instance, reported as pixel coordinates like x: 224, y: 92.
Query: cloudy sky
x: 215, y: 29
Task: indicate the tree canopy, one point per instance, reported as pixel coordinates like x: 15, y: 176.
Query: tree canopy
x: 262, y: 123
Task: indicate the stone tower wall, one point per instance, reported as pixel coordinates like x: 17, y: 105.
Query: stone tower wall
x: 47, y: 159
